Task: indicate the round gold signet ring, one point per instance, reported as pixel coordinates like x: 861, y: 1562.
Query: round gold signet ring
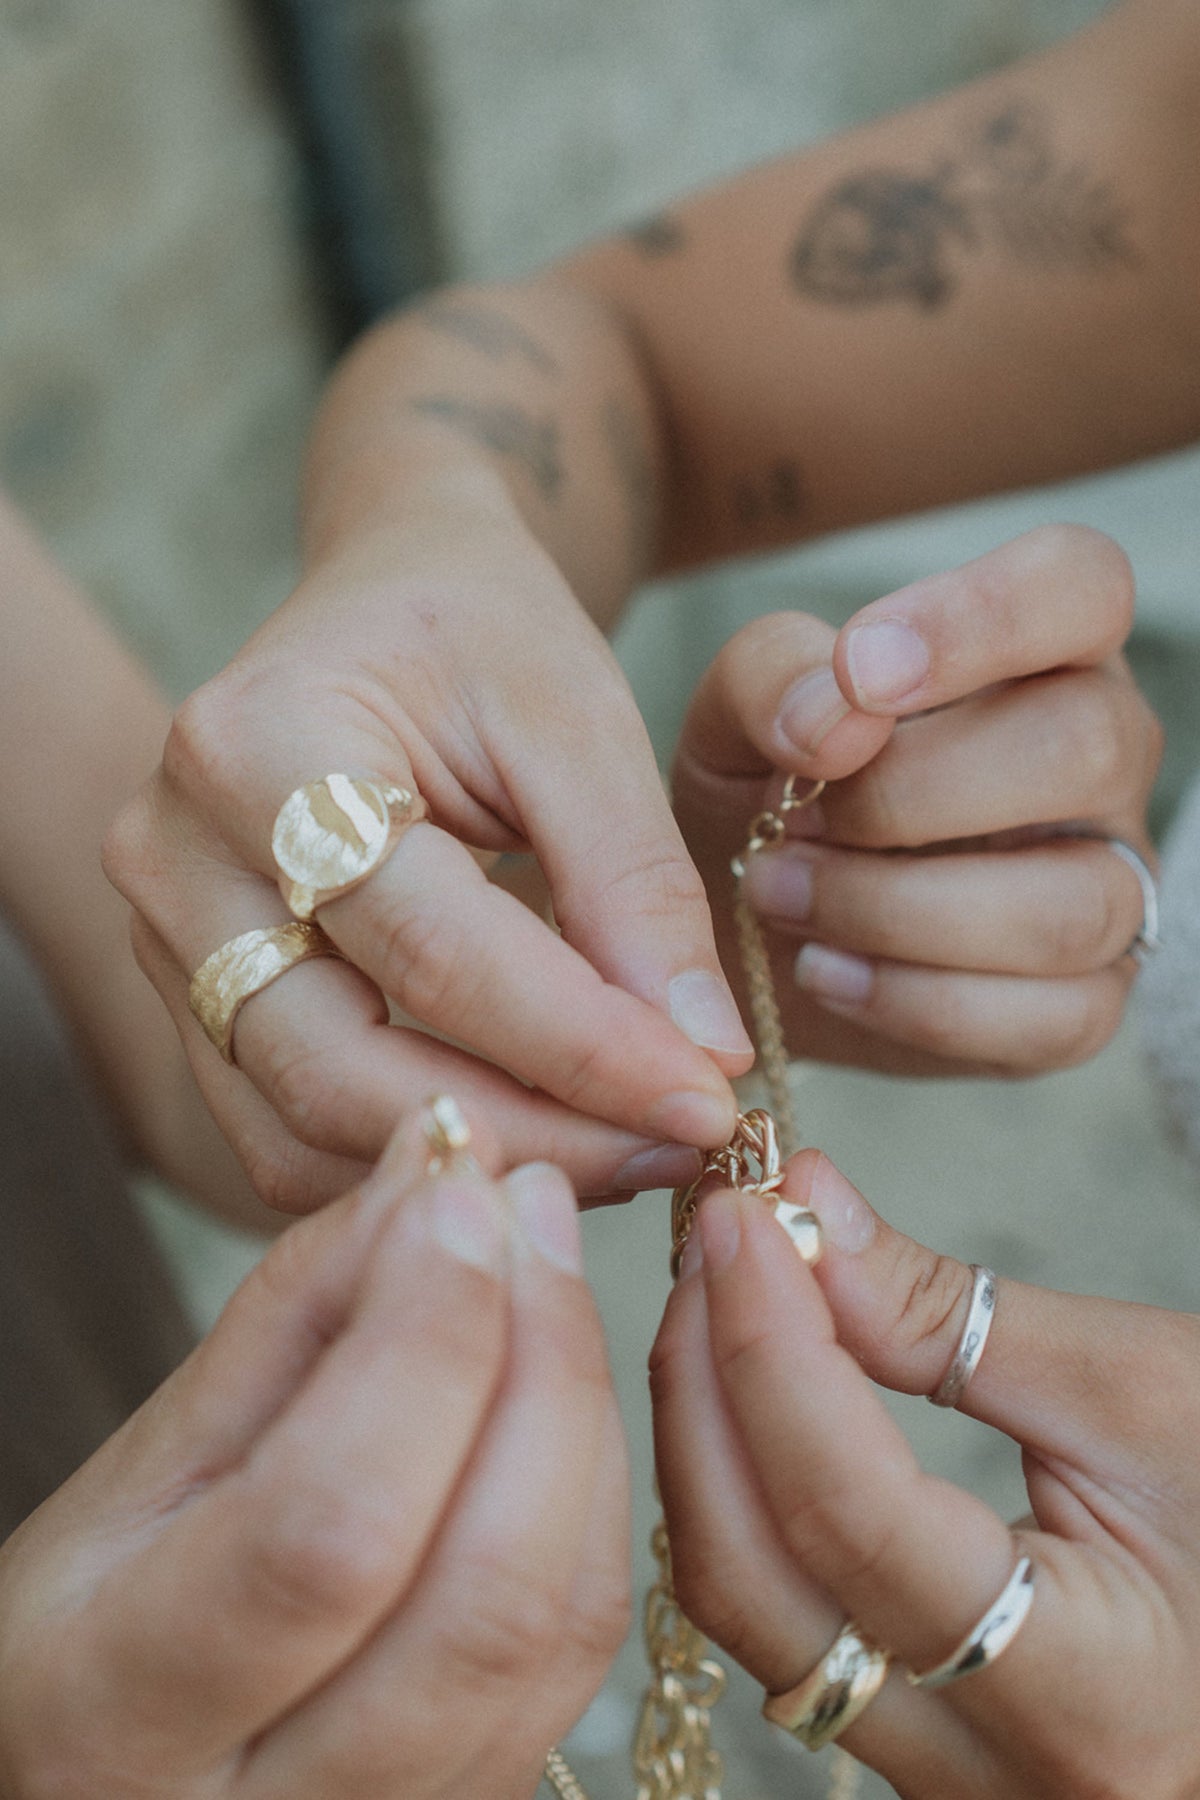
x: 331, y: 834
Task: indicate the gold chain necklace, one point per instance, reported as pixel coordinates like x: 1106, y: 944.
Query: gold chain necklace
x: 673, y: 1757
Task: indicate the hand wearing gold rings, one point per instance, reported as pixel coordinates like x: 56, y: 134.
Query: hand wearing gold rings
x: 894, y: 1614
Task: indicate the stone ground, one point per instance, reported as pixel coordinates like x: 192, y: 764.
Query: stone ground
x: 162, y: 350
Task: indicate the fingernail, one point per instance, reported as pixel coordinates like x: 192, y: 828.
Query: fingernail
x: 719, y: 1225
x: 546, y: 1214
x: 665, y: 1166
x: 810, y: 709
x: 781, y: 882
x: 693, y: 1256
x: 705, y: 1011
x: 833, y: 976
x: 846, y: 1219
x: 887, y: 660
x: 470, y: 1222
x: 695, y: 1118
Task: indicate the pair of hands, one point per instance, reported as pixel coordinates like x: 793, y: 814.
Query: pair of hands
x: 962, y: 720
x: 372, y: 1539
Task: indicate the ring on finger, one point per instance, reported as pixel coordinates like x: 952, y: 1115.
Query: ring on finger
x: 243, y: 967
x: 990, y: 1637
x: 963, y: 1364
x: 1147, y: 940
x: 331, y: 834
x: 830, y: 1697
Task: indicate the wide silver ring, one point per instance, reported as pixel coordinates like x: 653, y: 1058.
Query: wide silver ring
x: 965, y: 1361
x: 1148, y: 939
x: 993, y: 1634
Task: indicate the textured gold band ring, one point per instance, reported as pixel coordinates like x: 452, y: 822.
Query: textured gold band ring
x: 244, y: 966
x: 331, y: 834
x: 831, y: 1696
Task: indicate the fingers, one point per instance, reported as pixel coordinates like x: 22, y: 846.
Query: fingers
x: 1064, y: 907
x: 1097, y: 1384
x: 277, y: 1571
x: 467, y: 958
x: 1059, y: 749
x: 522, y: 1599
x: 1058, y: 596
x: 334, y: 1076
x: 735, y: 1575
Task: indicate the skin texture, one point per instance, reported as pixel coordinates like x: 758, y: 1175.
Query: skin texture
x: 369, y: 1540
x: 992, y: 289
x: 794, y: 1501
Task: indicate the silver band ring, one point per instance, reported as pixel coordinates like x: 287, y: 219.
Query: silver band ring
x: 993, y: 1634
x: 965, y: 1361
x: 1148, y: 939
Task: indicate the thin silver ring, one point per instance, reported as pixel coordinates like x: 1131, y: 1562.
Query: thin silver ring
x: 1148, y: 939
x: 965, y: 1361
x: 993, y: 1634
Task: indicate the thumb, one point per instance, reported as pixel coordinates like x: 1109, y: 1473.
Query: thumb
x: 770, y: 700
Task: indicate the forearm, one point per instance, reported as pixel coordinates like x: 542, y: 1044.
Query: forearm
x: 991, y: 290
x: 81, y: 726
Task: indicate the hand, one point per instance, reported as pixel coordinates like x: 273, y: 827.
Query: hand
x: 794, y: 1501
x: 475, y: 673
x: 955, y: 911
x: 371, y: 1539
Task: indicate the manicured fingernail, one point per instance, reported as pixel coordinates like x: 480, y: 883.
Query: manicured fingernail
x: 695, y: 1118
x: 665, y: 1166
x: 719, y: 1225
x: 846, y: 1219
x: 546, y: 1215
x: 469, y: 1221
x: 781, y: 883
x: 833, y: 976
x: 887, y: 660
x: 692, y: 1259
x: 810, y: 709
x: 705, y: 1011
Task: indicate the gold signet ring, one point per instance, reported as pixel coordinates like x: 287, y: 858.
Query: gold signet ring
x: 331, y: 834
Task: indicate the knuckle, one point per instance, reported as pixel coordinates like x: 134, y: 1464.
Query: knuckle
x: 658, y: 881
x: 198, y: 754
x: 711, y: 1605
x: 317, y: 1554
x: 585, y: 1072
x: 1087, y: 1020
x: 1092, y: 929
x: 1089, y: 737
x: 930, y: 1290
x: 428, y: 966
x: 512, y: 1627
x: 304, y: 1089
x: 127, y: 852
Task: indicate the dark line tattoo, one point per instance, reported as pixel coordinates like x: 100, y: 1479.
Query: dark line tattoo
x: 627, y: 447
x: 885, y: 234
x: 661, y: 235
x: 506, y: 429
x: 775, y: 498
x: 485, y: 329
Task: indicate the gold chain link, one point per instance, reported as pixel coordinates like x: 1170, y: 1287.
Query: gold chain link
x: 673, y: 1757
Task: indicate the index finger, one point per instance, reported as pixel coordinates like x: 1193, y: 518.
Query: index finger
x: 1060, y: 596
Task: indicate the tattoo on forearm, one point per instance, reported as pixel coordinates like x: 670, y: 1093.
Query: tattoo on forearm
x: 631, y: 458
x: 776, y: 498
x: 507, y: 430
x: 487, y: 329
x: 887, y: 234
x: 661, y: 235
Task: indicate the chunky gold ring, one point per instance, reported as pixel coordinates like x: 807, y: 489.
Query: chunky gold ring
x: 993, y: 1634
x: 244, y: 966
x: 829, y: 1699
x: 331, y: 834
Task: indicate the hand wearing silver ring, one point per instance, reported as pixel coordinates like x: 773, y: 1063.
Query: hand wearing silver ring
x: 1050, y: 1661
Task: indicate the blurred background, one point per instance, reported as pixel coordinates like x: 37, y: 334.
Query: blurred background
x: 204, y: 199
